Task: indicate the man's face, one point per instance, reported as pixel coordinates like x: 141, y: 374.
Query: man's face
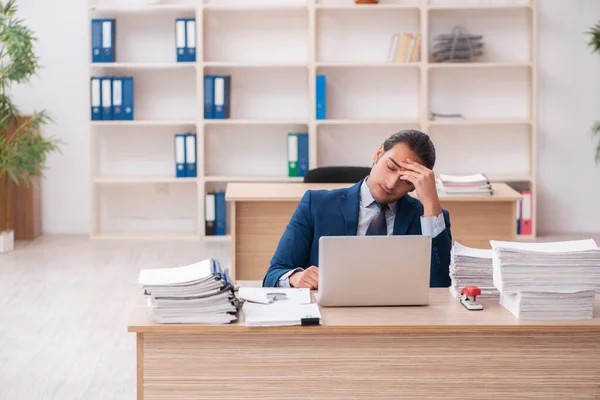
x: 384, y: 181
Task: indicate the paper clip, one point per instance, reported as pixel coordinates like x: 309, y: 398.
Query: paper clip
x: 276, y: 296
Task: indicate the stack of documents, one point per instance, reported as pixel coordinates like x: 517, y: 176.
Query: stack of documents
x: 531, y: 305
x: 555, y: 280
x: 472, y: 267
x: 477, y: 184
x: 198, y: 293
x: 278, y: 307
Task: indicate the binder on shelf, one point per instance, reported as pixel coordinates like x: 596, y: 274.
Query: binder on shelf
x: 222, y: 92
x: 108, y: 40
x: 210, y: 214
x: 321, y: 97
x: 190, y: 40
x: 180, y: 36
x: 96, y: 99
x: 117, y: 98
x: 292, y: 156
x: 526, y: 213
x: 96, y: 40
x: 209, y: 94
x: 128, y: 106
x: 180, y: 167
x: 302, y: 153
x: 190, y: 155
x: 221, y: 214
x: 106, y: 95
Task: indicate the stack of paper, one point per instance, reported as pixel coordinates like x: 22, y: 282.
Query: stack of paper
x: 554, y: 280
x: 477, y: 184
x: 278, y: 307
x: 472, y: 267
x: 198, y: 293
x: 531, y: 305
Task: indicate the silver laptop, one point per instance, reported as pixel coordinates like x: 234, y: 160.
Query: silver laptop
x: 374, y: 270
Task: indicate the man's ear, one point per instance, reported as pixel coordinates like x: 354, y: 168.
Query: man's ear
x: 378, y: 154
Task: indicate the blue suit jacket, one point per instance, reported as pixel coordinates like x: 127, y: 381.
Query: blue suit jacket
x: 335, y: 213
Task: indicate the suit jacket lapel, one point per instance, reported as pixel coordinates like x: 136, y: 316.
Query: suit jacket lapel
x: 405, y: 212
x: 350, y: 203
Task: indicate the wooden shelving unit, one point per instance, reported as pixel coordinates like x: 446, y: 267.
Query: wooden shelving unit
x: 273, y: 50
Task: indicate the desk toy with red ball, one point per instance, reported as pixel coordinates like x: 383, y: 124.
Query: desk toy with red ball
x: 468, y: 298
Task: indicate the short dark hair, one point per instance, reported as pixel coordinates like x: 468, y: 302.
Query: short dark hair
x: 419, y: 142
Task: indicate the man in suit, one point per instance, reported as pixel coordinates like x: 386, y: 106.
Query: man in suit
x: 379, y: 204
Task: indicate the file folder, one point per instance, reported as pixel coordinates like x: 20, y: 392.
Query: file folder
x: 108, y: 40
x: 128, y: 105
x: 190, y: 155
x: 209, y: 214
x: 180, y: 39
x: 117, y: 98
x: 122, y: 98
x: 106, y: 94
x: 526, y: 213
x: 221, y: 214
x: 96, y: 40
x: 302, y: 153
x: 180, y: 168
x: 292, y: 149
x: 190, y: 40
x: 321, y: 97
x: 96, y: 99
x: 222, y: 88
x: 209, y: 95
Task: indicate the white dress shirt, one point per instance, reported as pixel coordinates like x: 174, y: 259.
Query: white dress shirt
x: 430, y: 226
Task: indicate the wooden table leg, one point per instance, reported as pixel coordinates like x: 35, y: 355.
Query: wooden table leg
x: 140, y: 366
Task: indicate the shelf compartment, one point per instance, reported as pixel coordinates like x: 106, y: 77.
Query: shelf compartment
x: 500, y: 44
x: 264, y: 94
x: 137, y: 152
x: 240, y: 37
x: 372, y: 93
x: 502, y: 152
x: 160, y: 97
x: 147, y: 208
x: 135, y: 33
x: 481, y: 94
x: 247, y: 151
x: 340, y: 32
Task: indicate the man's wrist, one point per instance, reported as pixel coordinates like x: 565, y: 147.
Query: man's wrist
x: 432, y: 209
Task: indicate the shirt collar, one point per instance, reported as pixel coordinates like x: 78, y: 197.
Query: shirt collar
x: 366, y: 199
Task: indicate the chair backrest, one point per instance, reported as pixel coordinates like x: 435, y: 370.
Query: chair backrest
x: 337, y: 174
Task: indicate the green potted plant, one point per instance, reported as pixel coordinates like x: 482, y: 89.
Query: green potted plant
x: 23, y: 150
x: 594, y: 43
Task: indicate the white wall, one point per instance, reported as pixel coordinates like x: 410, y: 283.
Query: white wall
x: 569, y: 103
x: 568, y: 99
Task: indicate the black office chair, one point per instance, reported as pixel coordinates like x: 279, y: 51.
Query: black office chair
x: 338, y: 174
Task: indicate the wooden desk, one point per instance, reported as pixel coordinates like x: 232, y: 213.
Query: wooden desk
x: 441, y: 351
x: 260, y: 212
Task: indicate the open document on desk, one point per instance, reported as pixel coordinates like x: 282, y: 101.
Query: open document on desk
x: 278, y: 307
